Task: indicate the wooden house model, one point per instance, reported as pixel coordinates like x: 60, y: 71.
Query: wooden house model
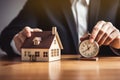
x: 42, y: 46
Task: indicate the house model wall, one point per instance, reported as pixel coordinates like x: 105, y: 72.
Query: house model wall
x: 42, y: 46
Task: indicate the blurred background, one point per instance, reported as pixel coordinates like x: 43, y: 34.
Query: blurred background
x: 9, y: 9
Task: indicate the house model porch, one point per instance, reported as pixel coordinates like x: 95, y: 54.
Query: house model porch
x: 42, y: 46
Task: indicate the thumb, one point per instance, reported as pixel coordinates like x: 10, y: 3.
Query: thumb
x: 27, y: 31
x: 85, y: 37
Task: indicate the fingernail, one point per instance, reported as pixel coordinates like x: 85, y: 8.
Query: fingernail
x: 29, y: 34
x: 91, y: 40
x: 31, y: 30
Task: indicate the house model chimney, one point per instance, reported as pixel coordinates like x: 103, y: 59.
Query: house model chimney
x: 54, y: 30
x: 37, y: 40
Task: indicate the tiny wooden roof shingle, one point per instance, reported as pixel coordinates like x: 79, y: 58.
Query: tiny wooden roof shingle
x: 45, y: 43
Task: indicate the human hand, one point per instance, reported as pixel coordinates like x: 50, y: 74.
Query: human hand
x: 104, y: 33
x: 86, y: 36
x: 22, y: 35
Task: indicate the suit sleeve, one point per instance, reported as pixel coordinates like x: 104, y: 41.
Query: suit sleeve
x: 117, y: 25
x: 27, y: 17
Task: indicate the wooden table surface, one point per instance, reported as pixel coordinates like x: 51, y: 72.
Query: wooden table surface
x: 70, y: 67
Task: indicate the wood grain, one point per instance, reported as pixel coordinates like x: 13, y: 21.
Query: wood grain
x: 70, y: 67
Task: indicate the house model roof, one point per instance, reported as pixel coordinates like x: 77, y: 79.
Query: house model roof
x: 45, y: 37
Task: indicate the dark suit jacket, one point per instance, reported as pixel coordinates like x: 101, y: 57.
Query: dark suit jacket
x: 47, y: 13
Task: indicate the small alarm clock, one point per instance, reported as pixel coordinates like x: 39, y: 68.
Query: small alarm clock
x: 88, y: 49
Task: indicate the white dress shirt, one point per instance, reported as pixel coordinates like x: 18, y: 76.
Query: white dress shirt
x: 80, y: 13
x: 14, y: 47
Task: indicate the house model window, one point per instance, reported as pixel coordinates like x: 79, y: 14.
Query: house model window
x: 37, y: 54
x: 45, y: 54
x: 37, y: 40
x: 54, y: 41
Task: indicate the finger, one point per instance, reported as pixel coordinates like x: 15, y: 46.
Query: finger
x: 37, y: 30
x: 116, y: 43
x: 96, y: 29
x: 27, y: 31
x: 102, y: 31
x: 111, y: 37
x: 86, y: 36
x: 22, y: 37
x: 105, y: 36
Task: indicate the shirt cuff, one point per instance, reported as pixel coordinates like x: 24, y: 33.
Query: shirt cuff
x: 14, y: 47
x: 116, y: 51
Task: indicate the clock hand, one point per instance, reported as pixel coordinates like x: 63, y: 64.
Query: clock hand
x: 86, y: 50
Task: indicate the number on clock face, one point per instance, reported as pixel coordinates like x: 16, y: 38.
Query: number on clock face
x: 88, y: 49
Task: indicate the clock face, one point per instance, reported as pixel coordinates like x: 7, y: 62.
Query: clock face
x: 88, y: 49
